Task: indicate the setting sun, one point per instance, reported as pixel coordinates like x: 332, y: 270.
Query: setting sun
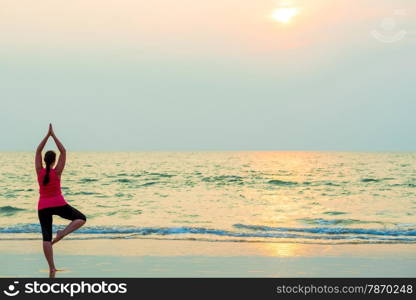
x: 284, y: 14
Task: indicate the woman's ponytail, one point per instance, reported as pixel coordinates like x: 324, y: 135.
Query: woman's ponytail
x: 46, y: 178
x: 49, y: 160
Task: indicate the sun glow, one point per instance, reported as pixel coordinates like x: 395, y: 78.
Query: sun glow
x: 285, y: 14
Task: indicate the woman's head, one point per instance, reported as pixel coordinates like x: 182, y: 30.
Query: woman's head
x: 49, y: 160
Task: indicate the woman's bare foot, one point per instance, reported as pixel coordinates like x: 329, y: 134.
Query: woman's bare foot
x: 59, y: 236
x: 52, y: 273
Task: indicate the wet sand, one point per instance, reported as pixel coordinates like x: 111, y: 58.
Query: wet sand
x: 166, y: 258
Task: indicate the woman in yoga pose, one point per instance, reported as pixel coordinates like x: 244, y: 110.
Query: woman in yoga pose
x: 51, y: 202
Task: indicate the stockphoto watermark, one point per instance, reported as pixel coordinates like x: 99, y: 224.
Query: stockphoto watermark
x: 389, y: 30
x: 67, y: 288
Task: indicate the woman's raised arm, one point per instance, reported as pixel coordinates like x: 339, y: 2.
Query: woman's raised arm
x: 38, y: 155
x: 62, y: 157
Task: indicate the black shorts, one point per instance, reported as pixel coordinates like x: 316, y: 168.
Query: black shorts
x: 45, y: 218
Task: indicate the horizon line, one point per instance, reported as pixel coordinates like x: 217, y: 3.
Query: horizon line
x: 224, y: 150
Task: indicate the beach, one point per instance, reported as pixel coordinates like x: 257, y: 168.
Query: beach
x: 170, y: 258
x: 218, y: 214
x: 295, y: 197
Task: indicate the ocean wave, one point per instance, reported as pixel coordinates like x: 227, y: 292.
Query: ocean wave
x: 282, y: 182
x: 223, y: 179
x: 370, y: 180
x: 124, y: 180
x: 149, y: 183
x: 87, y: 180
x: 125, y: 212
x: 81, y: 193
x: 329, y: 222
x: 335, y: 213
x: 10, y: 195
x: 329, y: 183
x: 332, y: 230
x: 248, y: 232
x: 10, y: 210
x: 161, y: 175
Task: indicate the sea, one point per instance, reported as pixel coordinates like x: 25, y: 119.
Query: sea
x: 242, y: 197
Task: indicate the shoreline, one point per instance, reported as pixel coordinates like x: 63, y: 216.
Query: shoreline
x: 166, y: 258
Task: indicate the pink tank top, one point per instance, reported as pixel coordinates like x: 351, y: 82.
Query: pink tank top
x: 50, y: 195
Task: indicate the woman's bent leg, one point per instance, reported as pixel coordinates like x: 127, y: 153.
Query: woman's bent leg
x: 74, y: 225
x: 70, y: 213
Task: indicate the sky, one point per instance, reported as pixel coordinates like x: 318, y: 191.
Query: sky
x: 191, y: 75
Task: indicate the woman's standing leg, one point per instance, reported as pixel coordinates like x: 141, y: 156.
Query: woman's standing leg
x: 45, y: 219
x: 48, y: 251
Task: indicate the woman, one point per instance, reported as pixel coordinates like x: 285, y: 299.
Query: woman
x: 51, y: 202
